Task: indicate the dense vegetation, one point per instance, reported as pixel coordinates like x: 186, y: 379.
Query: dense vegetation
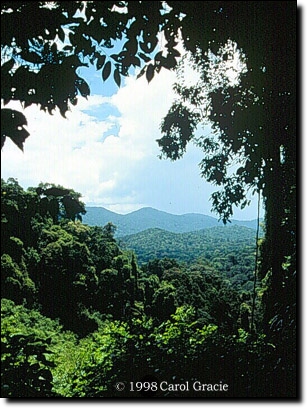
x: 231, y: 250
x: 79, y: 315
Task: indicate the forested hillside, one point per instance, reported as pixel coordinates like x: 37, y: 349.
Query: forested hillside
x: 230, y: 249
x: 79, y: 315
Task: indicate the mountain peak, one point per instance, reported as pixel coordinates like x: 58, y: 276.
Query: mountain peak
x: 144, y: 209
x: 150, y: 210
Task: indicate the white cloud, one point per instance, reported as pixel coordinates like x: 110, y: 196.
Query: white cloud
x: 73, y: 152
x: 110, y: 156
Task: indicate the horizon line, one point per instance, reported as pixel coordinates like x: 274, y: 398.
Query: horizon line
x: 167, y: 212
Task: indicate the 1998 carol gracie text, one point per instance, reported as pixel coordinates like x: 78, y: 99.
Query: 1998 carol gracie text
x: 166, y: 386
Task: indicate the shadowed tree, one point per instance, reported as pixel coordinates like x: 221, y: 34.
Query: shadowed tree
x: 252, y: 146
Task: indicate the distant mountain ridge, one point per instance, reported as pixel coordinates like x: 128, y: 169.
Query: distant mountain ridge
x: 147, y: 217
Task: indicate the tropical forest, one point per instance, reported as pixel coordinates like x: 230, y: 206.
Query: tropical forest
x: 92, y: 309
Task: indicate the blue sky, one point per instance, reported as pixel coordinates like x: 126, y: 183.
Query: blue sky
x: 106, y: 149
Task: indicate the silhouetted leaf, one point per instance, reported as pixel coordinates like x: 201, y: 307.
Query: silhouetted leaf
x: 169, y: 62
x: 116, y: 57
x: 54, y: 48
x: 12, y: 125
x: 61, y: 34
x: 131, y: 46
x: 149, y: 45
x: 100, y: 61
x: 135, y: 61
x: 175, y: 52
x: 68, y: 48
x: 117, y: 78
x: 144, y: 57
x: 7, y: 66
x: 106, y: 71
x: 141, y: 73
x: 3, y: 138
x: 83, y: 87
x: 150, y: 72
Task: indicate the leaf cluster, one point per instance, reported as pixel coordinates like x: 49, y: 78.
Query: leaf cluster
x: 41, y: 61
